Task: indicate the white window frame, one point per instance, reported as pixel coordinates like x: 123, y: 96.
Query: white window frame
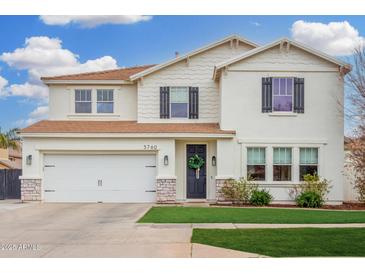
x: 318, y: 160
x: 246, y: 167
x: 292, y: 95
x: 187, y: 107
x: 91, y: 100
x: 291, y: 163
x: 97, y: 101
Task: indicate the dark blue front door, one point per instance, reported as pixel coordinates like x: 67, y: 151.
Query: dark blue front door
x: 196, y: 187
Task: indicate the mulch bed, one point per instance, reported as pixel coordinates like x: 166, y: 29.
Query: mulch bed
x: 344, y: 206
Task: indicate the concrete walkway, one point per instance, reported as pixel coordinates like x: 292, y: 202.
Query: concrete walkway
x: 95, y: 230
x: 106, y: 230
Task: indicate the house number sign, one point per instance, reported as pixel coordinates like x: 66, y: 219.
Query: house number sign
x: 150, y: 147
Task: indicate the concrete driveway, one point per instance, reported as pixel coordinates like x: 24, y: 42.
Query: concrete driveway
x: 87, y: 230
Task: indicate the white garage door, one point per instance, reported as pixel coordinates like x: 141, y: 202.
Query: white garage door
x: 99, y: 178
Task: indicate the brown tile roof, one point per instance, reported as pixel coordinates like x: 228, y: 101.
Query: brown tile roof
x: 47, y: 126
x: 114, y: 74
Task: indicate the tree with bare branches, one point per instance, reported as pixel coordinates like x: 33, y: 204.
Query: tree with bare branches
x: 356, y: 144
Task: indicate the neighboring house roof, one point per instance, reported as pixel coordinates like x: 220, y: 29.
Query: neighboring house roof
x: 257, y: 50
x: 15, y: 153
x: 114, y: 74
x: 48, y: 126
x: 192, y: 53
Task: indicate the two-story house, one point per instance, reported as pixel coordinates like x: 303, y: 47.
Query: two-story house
x: 176, y: 131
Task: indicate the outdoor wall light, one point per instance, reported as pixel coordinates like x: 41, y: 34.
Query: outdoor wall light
x: 28, y: 160
x: 214, y: 161
x: 166, y: 160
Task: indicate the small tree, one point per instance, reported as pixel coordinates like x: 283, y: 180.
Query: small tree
x: 9, y: 139
x: 356, y: 81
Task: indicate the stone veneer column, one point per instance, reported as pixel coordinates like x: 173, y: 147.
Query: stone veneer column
x: 166, y: 190
x: 218, y: 187
x: 30, y: 190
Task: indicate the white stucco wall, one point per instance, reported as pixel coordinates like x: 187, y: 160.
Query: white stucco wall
x: 320, y: 126
x: 197, y: 72
x: 62, y: 102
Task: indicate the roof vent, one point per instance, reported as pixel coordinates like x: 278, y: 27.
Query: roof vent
x: 176, y: 54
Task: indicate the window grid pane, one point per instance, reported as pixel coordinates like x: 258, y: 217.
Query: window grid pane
x: 308, y: 156
x: 282, y: 156
x: 283, y: 94
x: 256, y: 156
x: 179, y: 102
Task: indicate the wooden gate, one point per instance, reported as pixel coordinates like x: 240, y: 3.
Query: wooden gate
x: 10, y: 183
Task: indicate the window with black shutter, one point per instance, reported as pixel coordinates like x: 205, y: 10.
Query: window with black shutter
x: 164, y: 102
x: 193, y: 102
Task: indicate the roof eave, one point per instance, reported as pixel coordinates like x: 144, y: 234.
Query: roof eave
x: 87, y: 82
x: 127, y: 135
x: 252, y: 52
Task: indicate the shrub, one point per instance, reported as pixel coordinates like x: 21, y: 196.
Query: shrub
x: 312, y: 192
x: 309, y: 199
x: 238, y: 191
x: 260, y: 197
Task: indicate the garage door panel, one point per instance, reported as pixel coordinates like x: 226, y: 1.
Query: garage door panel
x: 94, y: 178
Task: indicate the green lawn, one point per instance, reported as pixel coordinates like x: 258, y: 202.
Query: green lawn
x: 293, y: 242
x: 249, y: 215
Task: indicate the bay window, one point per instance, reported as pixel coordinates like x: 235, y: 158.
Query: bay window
x: 256, y: 163
x: 282, y: 164
x: 308, y: 163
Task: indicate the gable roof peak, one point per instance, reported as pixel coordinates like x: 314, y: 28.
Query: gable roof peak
x: 275, y: 43
x: 192, y: 53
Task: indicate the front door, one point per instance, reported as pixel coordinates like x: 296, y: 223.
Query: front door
x: 196, y: 185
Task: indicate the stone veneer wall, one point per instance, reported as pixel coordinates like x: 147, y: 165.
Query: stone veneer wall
x: 218, y: 194
x: 31, y: 190
x: 166, y: 190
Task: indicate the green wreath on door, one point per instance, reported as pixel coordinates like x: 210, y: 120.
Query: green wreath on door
x: 196, y: 162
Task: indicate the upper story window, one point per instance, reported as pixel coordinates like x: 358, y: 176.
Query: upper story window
x: 256, y: 163
x: 308, y: 163
x: 179, y: 102
x: 105, y: 101
x: 282, y: 164
x: 83, y: 101
x: 283, y: 94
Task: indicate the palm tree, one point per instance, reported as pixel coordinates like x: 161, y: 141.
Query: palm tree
x: 9, y: 139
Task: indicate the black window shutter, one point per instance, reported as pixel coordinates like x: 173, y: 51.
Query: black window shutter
x: 266, y: 100
x: 193, y: 102
x: 164, y: 102
x: 299, y: 95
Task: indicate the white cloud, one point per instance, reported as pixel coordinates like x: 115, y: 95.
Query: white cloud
x: 91, y: 21
x: 3, y: 83
x: 40, y: 113
x: 28, y: 90
x: 335, y: 38
x: 44, y: 56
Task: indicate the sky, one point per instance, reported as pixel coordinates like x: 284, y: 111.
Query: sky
x: 34, y: 46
